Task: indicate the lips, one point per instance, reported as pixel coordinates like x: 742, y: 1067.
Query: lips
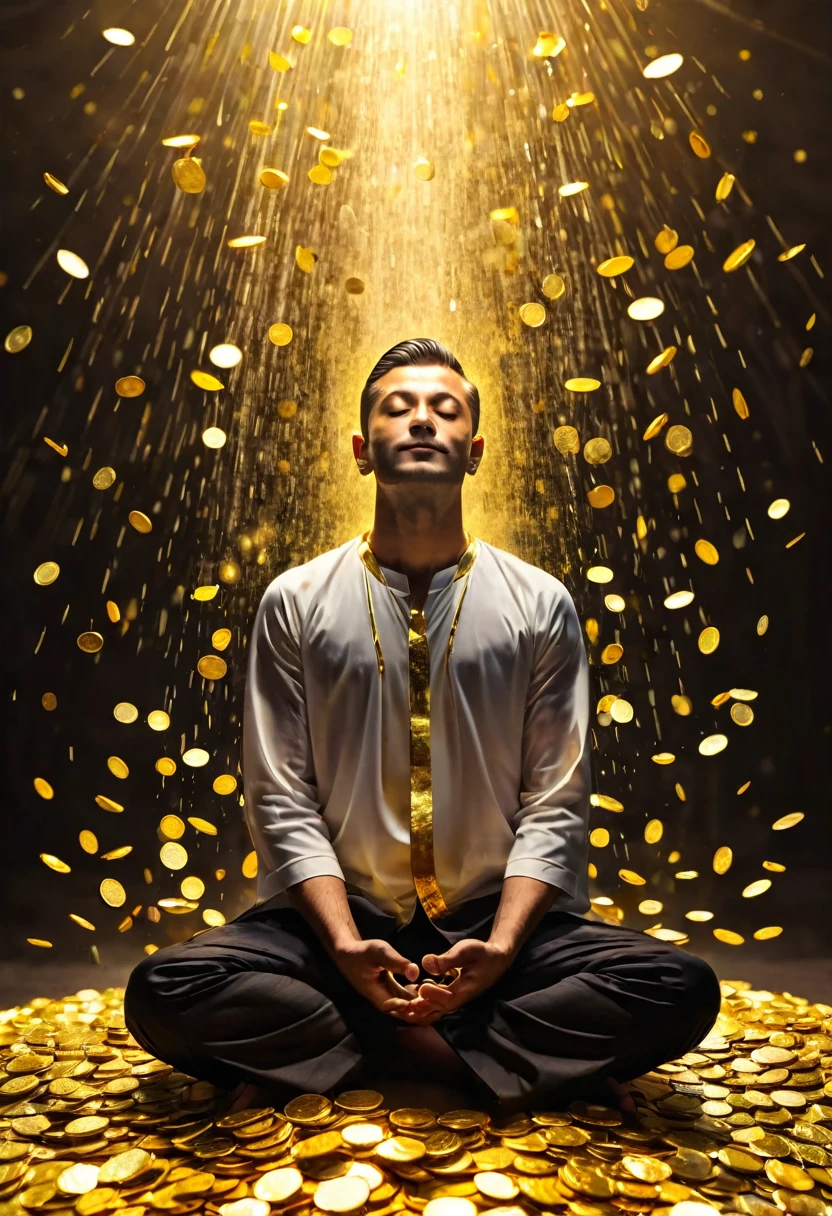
x: 419, y: 447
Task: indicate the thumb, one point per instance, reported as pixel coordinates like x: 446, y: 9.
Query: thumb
x: 463, y: 952
x: 390, y: 958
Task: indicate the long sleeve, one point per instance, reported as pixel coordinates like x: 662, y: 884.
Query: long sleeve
x: 551, y: 822
x: 282, y: 809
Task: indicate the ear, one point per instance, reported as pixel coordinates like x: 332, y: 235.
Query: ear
x: 361, y: 454
x: 476, y: 454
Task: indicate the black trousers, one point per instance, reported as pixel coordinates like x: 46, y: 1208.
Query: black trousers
x: 259, y: 999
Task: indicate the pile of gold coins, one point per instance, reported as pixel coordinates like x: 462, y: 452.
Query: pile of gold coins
x: 92, y: 1124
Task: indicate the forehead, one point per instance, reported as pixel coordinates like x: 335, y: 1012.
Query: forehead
x: 422, y: 379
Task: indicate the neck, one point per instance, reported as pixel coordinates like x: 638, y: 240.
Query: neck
x: 417, y: 537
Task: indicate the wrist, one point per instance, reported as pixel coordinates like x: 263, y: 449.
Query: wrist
x: 504, y: 947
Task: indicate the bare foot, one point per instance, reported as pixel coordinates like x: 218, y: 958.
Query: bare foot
x: 624, y: 1098
x: 424, y: 1044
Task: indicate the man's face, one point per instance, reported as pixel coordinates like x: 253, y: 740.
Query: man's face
x: 420, y: 427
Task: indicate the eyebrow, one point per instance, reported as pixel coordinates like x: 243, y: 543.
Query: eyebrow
x: 410, y: 397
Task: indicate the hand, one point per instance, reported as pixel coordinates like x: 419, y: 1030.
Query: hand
x: 366, y: 965
x: 481, y: 964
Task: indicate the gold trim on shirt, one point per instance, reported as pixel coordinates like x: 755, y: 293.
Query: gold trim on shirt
x: 421, y: 785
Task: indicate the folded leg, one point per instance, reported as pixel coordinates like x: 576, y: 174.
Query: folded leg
x: 256, y: 1000
x: 582, y: 1001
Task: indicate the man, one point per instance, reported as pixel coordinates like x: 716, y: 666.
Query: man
x: 416, y: 766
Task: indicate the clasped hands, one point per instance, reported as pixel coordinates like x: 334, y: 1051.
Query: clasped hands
x: 468, y: 968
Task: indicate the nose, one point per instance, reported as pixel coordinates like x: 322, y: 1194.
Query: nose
x: 421, y: 419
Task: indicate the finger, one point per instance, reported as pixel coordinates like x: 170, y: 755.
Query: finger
x: 389, y: 957
x: 393, y: 986
x: 436, y: 993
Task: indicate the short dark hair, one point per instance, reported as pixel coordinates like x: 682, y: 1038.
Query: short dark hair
x: 405, y: 354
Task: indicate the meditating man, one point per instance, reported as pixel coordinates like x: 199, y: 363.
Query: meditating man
x: 417, y: 780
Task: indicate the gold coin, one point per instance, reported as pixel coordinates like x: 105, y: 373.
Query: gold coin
x: 354, y: 286
x: 173, y: 855
x: 46, y: 573
x: 661, y: 360
x: 601, y: 496
x: 681, y: 256
x: 597, y: 451
x: 202, y: 825
x: 647, y: 1169
x: 743, y: 715
x: 18, y: 339
x: 723, y: 858
x: 666, y: 240
x: 653, y: 832
x: 700, y: 145
x: 756, y: 888
x: 43, y: 788
x: 113, y: 893
x: 582, y: 384
x: 195, y: 757
x: 113, y: 612
x: 679, y: 439
x: 400, y: 1149
x: 181, y: 141
x: 226, y: 784
x: 656, y: 426
x: 724, y: 187
x: 249, y: 866
x: 787, y: 821
x: 192, y: 888
x: 612, y: 652
x: 553, y: 287
x: 739, y: 256
x: 49, y: 701
x: 189, y: 175
x: 567, y: 440
x: 424, y: 170
x: 307, y: 1108
x: 729, y: 937
x: 790, y: 1176
x: 245, y: 242
x: 273, y: 179
x: 305, y: 259
x: 130, y: 386
x: 736, y: 1159
x: 542, y: 1191
x: 88, y: 841
x: 287, y: 409
x: 566, y: 1137
x: 104, y: 478
x: 140, y: 521
x: 317, y: 1146
x: 532, y: 314
x: 276, y: 1186
x: 495, y: 1186
x: 220, y: 638
x: 125, y: 712
x: 768, y: 932
x: 72, y: 264
x: 86, y: 1126
x: 206, y: 381
x: 450, y: 1205
x: 244, y: 1207
x: 708, y: 639
x: 706, y: 552
x: 90, y: 642
x: 280, y: 334
x: 166, y: 766
x: 118, y: 767
x: 613, y: 266
x: 212, y: 667
x: 78, y: 1179
x: 158, y: 719
x: 107, y: 804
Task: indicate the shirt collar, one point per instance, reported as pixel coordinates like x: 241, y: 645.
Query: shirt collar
x: 397, y: 581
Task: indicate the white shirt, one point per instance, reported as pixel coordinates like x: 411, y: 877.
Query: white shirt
x: 326, y: 738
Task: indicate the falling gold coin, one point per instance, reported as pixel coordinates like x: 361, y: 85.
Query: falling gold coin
x: 708, y: 639
x: 340, y: 35
x: 72, y: 264
x: 768, y: 932
x: 532, y: 315
x: 118, y: 767
x: 212, y: 667
x: 189, y: 175
x: 681, y: 256
x: 280, y: 334
x: 220, y: 638
x: 173, y: 855
x: 712, y: 744
x: 90, y: 642
x: 287, y: 409
x: 165, y: 766
x: 570, y: 188
x: 657, y: 69
x: 305, y: 259
x: 245, y: 242
x: 646, y: 309
x: 788, y: 254
x: 729, y: 937
x: 195, y: 757
x: 739, y: 256
x: 723, y: 859
x: 700, y: 145
x: 597, y: 450
x: 788, y: 821
x: 553, y: 287
x: 118, y: 36
x: 424, y: 170
x: 158, y: 719
x: 582, y: 384
x: 49, y: 701
x: 599, y: 838
x: 181, y: 141
x: 43, y: 788
x: 54, y: 183
x: 206, y: 381
x: 666, y: 240
x: 88, y: 841
x: 756, y: 888
x: 55, y: 863
x: 567, y: 440
x: 202, y: 825
x: 656, y: 426
x: 600, y: 574
x: 130, y: 386
x: 601, y: 496
x: 225, y: 784
x: 743, y: 715
x: 621, y: 710
x: 548, y: 45
x: 46, y: 573
x: 679, y: 440
x: 214, y: 438
x: 104, y: 478
x: 273, y: 179
x: 612, y: 653
x: 18, y: 339
x: 706, y: 552
x: 724, y: 187
x: 113, y: 893
x: 140, y: 522
x: 614, y: 266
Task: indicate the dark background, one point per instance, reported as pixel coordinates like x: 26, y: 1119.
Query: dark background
x: 786, y: 753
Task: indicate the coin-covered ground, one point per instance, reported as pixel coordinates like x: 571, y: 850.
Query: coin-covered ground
x: 93, y: 1124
